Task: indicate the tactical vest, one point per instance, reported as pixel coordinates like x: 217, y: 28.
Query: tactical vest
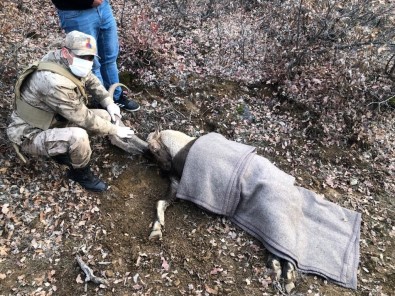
x: 34, y: 116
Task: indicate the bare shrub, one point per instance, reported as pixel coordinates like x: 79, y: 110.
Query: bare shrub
x: 316, y: 51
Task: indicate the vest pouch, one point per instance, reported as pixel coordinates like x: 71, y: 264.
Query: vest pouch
x: 34, y: 116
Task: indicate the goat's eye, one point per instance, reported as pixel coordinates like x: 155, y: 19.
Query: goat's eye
x: 152, y: 147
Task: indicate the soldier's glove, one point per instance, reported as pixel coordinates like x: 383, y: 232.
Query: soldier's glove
x: 113, y: 110
x: 124, y: 132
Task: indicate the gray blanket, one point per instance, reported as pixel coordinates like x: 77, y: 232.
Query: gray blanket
x: 294, y: 223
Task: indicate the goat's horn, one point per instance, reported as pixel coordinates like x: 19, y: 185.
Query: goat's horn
x: 114, y: 86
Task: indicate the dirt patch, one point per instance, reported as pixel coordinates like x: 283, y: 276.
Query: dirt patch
x: 200, y: 253
x: 48, y: 220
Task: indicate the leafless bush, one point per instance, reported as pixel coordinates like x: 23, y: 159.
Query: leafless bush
x: 317, y: 51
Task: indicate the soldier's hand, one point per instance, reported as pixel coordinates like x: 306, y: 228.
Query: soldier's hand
x: 96, y: 3
x: 124, y: 132
x: 113, y: 110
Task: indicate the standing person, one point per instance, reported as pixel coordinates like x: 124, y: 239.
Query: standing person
x: 50, y: 116
x: 95, y: 17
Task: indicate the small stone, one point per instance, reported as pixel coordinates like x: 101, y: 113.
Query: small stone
x: 109, y: 273
x: 176, y: 282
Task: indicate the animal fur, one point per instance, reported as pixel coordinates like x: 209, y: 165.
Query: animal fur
x: 170, y: 149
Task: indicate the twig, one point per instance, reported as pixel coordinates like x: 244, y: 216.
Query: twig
x: 177, y: 111
x: 390, y: 71
x: 89, y: 273
x: 19, y: 153
x: 208, y: 109
x: 277, y: 285
x: 298, y: 22
x: 123, y: 8
x: 151, y: 95
x: 386, y: 102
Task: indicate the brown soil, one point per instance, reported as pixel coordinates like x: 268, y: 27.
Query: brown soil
x: 200, y: 254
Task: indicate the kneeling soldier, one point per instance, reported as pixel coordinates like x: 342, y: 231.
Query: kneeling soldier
x: 51, y: 117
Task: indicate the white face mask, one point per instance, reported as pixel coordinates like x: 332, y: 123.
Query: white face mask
x: 81, y: 67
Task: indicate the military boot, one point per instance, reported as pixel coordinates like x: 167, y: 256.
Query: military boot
x: 87, y: 179
x: 63, y: 159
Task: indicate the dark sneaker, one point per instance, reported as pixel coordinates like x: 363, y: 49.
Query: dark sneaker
x: 126, y: 104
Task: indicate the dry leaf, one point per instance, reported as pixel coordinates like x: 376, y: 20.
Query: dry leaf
x: 216, y: 270
x: 211, y: 290
x: 165, y: 265
x: 79, y: 279
x: 3, y: 251
x: 5, y: 209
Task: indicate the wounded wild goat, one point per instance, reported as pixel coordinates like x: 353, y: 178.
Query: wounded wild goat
x: 298, y: 227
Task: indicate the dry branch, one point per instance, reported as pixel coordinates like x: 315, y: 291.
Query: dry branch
x: 89, y: 273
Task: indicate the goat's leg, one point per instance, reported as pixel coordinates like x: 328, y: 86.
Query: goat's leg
x: 133, y: 145
x: 161, y: 206
x: 289, y: 275
x: 283, y: 271
x: 156, y: 232
x: 274, y: 263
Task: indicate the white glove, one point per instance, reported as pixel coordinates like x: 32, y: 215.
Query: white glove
x: 113, y: 110
x: 124, y: 132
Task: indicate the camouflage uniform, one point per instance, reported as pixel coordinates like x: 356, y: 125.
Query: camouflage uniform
x: 53, y: 92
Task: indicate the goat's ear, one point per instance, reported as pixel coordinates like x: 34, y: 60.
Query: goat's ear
x: 158, y: 128
x: 154, y: 136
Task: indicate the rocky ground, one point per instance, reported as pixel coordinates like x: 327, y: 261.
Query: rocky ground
x: 334, y: 140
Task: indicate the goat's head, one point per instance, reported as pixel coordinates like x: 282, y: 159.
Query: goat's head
x: 159, y: 150
x: 165, y: 145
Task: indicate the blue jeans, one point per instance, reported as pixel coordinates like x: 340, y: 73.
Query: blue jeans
x: 100, y: 23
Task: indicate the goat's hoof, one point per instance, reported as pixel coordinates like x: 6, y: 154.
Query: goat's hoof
x: 289, y: 272
x: 284, y: 273
x: 275, y: 264
x: 289, y: 287
x: 289, y: 275
x: 155, y: 235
